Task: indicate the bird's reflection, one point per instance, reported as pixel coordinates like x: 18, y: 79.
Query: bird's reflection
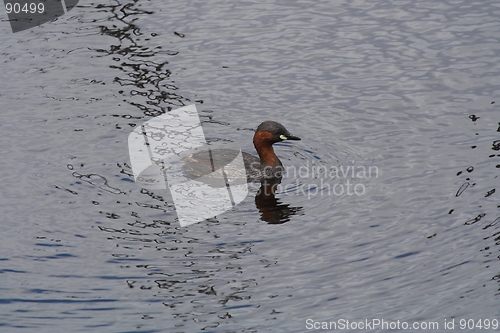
x: 272, y: 210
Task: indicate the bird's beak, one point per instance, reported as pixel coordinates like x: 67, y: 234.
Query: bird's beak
x: 289, y: 137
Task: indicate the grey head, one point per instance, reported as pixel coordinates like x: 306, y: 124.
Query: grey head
x: 279, y: 132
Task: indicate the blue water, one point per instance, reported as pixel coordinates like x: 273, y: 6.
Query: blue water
x: 408, y: 88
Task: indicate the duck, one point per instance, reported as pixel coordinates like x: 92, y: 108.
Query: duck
x: 266, y: 167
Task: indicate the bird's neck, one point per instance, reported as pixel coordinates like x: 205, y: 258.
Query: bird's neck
x: 263, y: 144
x: 267, y: 156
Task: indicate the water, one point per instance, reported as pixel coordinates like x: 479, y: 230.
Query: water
x: 404, y: 87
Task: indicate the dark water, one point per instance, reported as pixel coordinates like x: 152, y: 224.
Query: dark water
x: 406, y: 88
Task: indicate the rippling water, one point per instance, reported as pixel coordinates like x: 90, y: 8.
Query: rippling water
x: 405, y: 88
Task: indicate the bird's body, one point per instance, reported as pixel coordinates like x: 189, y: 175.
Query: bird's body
x: 266, y: 167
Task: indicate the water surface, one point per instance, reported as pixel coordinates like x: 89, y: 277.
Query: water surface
x: 405, y: 87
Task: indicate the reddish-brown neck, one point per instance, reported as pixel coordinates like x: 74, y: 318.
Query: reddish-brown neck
x: 264, y: 145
